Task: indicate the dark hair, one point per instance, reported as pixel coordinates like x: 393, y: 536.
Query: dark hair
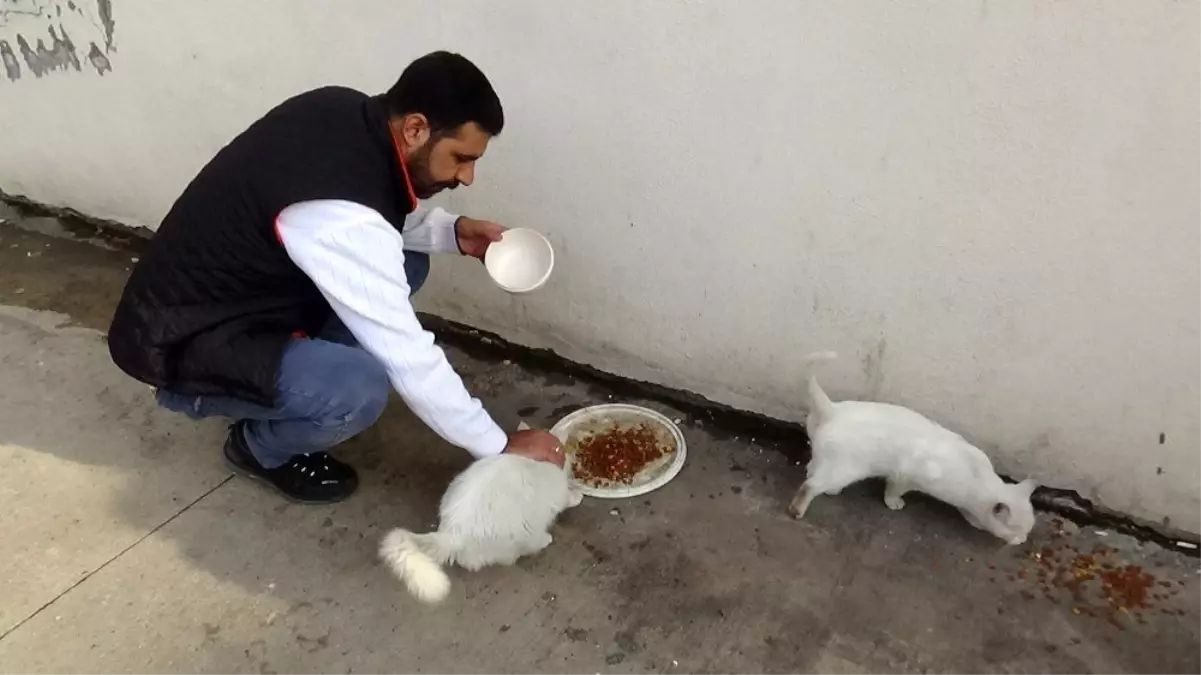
x: 450, y: 91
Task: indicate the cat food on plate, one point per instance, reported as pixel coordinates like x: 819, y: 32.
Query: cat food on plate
x: 616, y: 456
x: 616, y: 451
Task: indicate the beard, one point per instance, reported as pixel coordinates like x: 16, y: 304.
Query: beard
x: 424, y: 185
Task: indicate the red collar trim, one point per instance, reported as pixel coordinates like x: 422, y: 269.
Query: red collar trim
x: 404, y: 169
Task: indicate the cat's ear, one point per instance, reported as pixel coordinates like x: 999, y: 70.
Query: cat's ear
x: 1000, y: 511
x: 1027, y: 487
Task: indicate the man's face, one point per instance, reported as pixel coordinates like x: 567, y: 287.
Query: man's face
x: 444, y: 160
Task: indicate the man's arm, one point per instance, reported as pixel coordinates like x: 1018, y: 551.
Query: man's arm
x: 355, y: 257
x: 431, y: 230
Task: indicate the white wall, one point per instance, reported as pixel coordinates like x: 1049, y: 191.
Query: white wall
x: 991, y: 209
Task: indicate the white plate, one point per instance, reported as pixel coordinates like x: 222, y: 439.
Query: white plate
x: 602, y: 418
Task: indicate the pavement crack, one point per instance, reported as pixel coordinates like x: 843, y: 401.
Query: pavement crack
x: 120, y: 553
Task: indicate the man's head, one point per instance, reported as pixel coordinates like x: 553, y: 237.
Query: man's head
x: 443, y: 112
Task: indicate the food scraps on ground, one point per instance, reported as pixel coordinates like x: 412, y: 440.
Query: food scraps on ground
x: 1097, y: 583
x: 616, y: 456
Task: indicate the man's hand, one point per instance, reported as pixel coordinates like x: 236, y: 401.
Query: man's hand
x: 475, y: 235
x: 537, y: 445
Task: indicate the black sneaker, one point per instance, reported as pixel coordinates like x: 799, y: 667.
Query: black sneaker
x: 315, y: 478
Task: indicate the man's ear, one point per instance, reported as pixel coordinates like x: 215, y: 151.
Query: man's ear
x: 413, y: 130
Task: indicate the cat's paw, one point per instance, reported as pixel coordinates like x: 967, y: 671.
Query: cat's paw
x: 894, y: 503
x: 800, y: 502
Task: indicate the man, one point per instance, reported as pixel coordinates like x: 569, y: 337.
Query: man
x: 276, y: 290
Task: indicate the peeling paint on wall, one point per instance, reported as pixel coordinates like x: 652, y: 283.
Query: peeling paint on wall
x: 42, y: 37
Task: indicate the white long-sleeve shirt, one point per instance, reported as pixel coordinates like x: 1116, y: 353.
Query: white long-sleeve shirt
x: 356, y: 258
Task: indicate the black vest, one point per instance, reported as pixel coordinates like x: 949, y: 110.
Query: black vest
x: 212, y: 304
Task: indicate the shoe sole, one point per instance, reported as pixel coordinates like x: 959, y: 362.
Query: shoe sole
x: 243, y: 471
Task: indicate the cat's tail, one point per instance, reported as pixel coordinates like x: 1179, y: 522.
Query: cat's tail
x: 409, y: 557
x: 820, y: 405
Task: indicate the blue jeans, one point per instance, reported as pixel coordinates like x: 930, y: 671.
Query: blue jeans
x: 328, y: 390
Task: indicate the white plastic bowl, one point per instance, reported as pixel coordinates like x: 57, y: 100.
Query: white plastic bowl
x: 521, y: 261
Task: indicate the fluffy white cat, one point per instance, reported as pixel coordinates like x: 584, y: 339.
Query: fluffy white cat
x: 498, y: 510
x: 854, y: 440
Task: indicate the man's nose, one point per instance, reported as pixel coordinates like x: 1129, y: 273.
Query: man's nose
x: 466, y: 175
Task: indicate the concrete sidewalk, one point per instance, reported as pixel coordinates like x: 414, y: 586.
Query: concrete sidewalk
x: 129, y: 547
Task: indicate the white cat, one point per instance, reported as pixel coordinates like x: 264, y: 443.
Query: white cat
x: 854, y: 440
x: 498, y: 510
